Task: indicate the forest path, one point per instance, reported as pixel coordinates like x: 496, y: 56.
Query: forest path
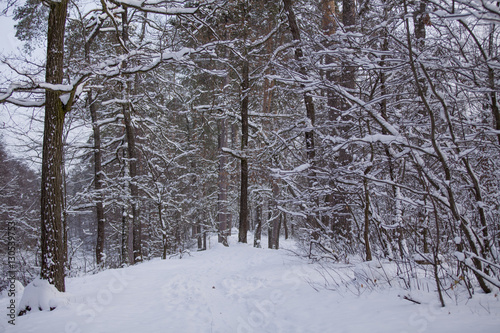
x: 240, y: 289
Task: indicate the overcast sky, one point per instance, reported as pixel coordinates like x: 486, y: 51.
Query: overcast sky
x: 9, y: 45
x: 8, y: 42
x: 22, y: 128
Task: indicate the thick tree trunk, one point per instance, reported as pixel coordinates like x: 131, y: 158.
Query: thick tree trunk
x: 274, y: 232
x: 336, y: 106
x: 245, y: 85
x: 308, y: 102
x: 51, y: 190
x: 329, y: 27
x: 349, y: 21
x: 132, y: 159
x: 134, y: 189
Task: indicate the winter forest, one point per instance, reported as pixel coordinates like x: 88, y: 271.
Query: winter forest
x: 359, y: 137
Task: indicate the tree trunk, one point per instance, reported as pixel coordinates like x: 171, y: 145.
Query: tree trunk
x: 349, y: 21
x: 258, y: 229
x: 51, y: 190
x: 419, y: 20
x: 98, y: 181
x: 366, y: 231
x: 308, y: 101
x: 245, y: 85
x: 276, y: 232
x: 134, y: 189
x: 163, y: 230
x: 198, y: 237
x: 285, y: 226
x: 132, y: 158
x: 125, y: 233
x: 222, y: 215
x: 336, y: 105
x: 275, y: 222
x: 329, y: 27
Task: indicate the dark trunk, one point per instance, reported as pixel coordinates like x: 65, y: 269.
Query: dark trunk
x: 308, y: 101
x: 419, y: 21
x: 125, y: 232
x: 366, y: 231
x: 51, y: 190
x: 285, y: 226
x: 276, y: 232
x: 245, y: 84
x: 349, y: 21
x: 199, y: 237
x: 258, y: 229
x: 132, y: 158
x: 270, y: 225
x: 275, y: 222
x: 98, y: 181
x: 339, y: 122
x: 134, y: 189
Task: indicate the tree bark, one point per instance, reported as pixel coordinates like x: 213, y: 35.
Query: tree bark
x: 245, y: 85
x: 275, y: 222
x: 51, y: 190
x: 366, y: 231
x: 258, y: 229
x: 132, y: 158
x: 419, y: 21
x: 222, y: 215
x: 124, y: 240
x: 308, y: 100
x: 199, y: 237
x: 98, y: 181
x: 285, y: 225
x: 134, y: 189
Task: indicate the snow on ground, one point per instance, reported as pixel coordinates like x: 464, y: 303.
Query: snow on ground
x: 243, y: 289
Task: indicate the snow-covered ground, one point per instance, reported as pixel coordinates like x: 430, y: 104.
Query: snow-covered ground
x: 243, y: 289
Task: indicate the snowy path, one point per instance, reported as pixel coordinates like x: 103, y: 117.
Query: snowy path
x: 241, y: 289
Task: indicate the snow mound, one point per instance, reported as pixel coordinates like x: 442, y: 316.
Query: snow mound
x: 41, y: 295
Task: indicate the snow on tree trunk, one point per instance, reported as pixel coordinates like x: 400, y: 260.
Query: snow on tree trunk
x: 52, y: 245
